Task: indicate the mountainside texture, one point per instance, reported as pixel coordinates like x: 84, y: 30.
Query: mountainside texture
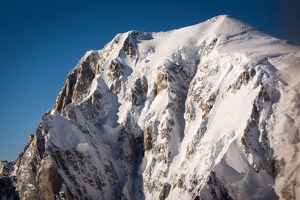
x: 210, y: 111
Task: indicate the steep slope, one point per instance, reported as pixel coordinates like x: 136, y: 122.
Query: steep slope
x: 209, y: 111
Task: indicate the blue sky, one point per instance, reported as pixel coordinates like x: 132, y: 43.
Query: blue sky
x: 41, y: 41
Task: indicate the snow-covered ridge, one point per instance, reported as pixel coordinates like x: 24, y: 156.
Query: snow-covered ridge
x: 209, y: 111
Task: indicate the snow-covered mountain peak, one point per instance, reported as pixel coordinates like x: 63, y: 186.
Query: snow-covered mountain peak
x: 208, y: 111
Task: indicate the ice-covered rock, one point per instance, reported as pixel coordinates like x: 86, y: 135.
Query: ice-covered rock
x: 209, y: 111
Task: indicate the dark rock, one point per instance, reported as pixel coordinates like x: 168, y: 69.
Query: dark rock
x: 7, y: 189
x: 149, y: 137
x: 217, y: 189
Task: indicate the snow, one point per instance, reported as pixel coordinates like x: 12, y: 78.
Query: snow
x: 83, y: 147
x: 110, y: 104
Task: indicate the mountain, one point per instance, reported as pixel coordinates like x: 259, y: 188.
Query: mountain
x: 210, y: 111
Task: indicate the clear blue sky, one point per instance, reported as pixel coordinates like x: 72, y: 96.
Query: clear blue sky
x: 41, y: 41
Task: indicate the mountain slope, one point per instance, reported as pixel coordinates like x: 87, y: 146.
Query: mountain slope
x: 209, y: 111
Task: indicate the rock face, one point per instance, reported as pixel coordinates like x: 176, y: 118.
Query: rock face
x: 209, y: 111
x: 7, y: 189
